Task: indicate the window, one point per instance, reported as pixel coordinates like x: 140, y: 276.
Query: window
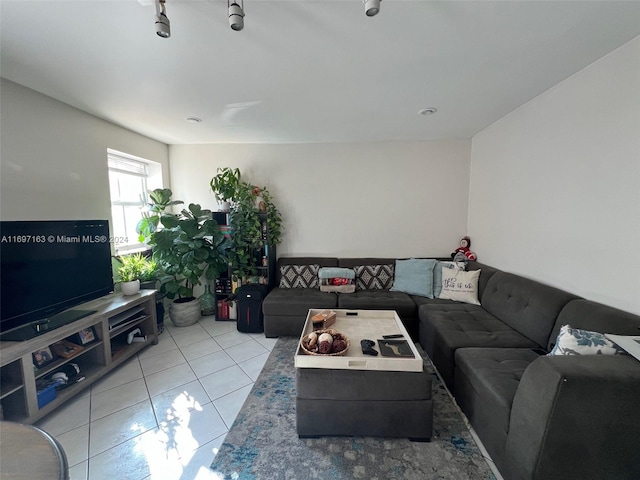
x: 129, y: 179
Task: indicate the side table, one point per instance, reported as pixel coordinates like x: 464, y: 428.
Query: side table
x: 30, y: 453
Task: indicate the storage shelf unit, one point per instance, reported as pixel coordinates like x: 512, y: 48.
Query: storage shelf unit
x: 116, y: 315
x: 264, y: 261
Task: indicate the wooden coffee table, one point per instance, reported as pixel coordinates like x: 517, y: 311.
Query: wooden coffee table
x: 362, y: 395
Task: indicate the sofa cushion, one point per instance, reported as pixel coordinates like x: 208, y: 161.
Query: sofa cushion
x: 444, y: 328
x: 574, y: 341
x: 374, y: 277
x: 379, y: 300
x: 297, y: 301
x: 486, y: 380
x: 527, y: 306
x: 414, y: 276
x: 460, y: 286
x: 419, y: 301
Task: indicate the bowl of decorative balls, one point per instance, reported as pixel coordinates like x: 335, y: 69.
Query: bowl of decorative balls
x: 325, y: 342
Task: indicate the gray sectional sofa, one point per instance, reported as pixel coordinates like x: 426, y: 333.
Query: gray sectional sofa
x: 541, y: 417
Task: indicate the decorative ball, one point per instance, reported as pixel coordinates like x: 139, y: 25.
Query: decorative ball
x: 339, y: 345
x: 324, y: 347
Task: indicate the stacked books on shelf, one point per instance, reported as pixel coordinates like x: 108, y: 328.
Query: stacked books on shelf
x: 226, y: 309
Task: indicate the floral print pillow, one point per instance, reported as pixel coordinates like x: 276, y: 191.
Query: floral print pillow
x: 573, y: 341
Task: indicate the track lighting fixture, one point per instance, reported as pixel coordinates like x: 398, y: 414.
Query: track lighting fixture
x: 371, y: 7
x: 163, y: 26
x: 236, y: 14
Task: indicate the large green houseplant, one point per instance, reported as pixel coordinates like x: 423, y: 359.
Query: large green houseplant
x: 187, y: 246
x: 249, y: 203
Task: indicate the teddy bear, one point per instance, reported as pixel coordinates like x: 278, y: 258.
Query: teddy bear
x: 462, y: 253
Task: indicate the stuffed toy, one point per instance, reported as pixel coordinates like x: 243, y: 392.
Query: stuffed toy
x: 462, y: 253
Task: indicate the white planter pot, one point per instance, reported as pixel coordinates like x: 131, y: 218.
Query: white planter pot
x: 225, y: 206
x: 130, y: 288
x: 183, y: 314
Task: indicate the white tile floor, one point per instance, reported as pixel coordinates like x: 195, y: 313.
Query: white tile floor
x: 164, y: 413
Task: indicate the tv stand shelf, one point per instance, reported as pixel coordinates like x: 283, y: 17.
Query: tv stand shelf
x: 18, y: 374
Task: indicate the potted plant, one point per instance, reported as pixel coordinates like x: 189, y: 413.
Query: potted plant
x: 130, y: 272
x: 150, y: 273
x: 225, y: 185
x: 188, y: 246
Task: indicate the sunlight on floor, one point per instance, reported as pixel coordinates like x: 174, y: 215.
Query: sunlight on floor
x: 169, y: 451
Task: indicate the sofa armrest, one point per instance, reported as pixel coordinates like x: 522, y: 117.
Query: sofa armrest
x: 576, y: 417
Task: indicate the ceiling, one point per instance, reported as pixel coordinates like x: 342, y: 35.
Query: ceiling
x: 305, y: 71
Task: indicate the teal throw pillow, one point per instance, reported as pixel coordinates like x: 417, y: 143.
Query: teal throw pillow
x: 414, y: 276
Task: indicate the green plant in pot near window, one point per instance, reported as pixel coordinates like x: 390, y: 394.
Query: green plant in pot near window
x: 130, y: 272
x: 188, y: 246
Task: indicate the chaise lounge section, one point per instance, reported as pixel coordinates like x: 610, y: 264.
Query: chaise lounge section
x: 539, y: 416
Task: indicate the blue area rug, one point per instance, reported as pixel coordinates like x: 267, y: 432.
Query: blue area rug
x: 263, y: 443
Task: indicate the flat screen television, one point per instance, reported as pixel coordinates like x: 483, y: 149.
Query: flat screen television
x: 48, y: 267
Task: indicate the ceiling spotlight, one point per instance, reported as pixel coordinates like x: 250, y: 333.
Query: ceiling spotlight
x: 371, y: 7
x: 163, y: 26
x: 236, y: 14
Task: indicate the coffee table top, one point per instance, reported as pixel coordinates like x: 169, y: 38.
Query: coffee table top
x: 358, y: 325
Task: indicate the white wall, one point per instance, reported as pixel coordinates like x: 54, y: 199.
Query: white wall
x: 53, y: 157
x: 555, y: 185
x: 382, y: 199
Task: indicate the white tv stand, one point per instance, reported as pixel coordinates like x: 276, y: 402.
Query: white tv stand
x: 18, y: 375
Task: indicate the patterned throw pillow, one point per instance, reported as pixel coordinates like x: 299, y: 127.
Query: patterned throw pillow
x: 374, y: 277
x: 573, y: 341
x: 299, y: 276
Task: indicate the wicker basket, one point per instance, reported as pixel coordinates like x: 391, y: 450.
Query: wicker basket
x: 304, y: 343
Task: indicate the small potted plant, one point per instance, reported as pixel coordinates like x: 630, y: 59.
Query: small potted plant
x: 187, y: 246
x: 130, y: 272
x: 225, y: 186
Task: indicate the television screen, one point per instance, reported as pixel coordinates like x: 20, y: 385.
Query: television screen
x: 46, y: 268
